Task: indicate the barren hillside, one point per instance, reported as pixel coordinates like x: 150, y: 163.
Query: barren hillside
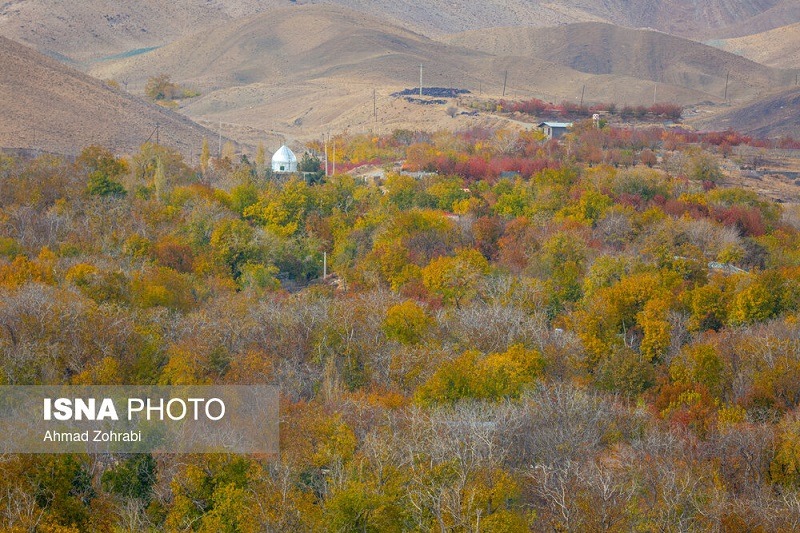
x: 93, y: 29
x: 297, y: 70
x: 598, y: 48
x: 771, y: 116
x: 782, y: 13
x: 688, y: 18
x: 779, y: 47
x: 90, y: 30
x: 46, y: 105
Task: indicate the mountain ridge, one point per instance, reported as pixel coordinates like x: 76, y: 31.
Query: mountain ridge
x: 311, y: 67
x: 88, y: 31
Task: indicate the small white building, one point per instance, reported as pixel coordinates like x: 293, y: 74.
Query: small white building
x: 284, y: 161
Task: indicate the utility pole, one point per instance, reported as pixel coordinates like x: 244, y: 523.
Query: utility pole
x: 727, y: 77
x: 655, y: 92
x: 583, y: 91
x: 420, y: 79
x: 219, y: 148
x: 505, y: 80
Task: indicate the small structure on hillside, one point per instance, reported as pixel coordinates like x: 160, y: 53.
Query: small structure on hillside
x: 284, y: 161
x: 554, y: 130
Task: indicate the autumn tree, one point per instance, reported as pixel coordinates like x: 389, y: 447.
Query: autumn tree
x: 407, y: 323
x: 456, y: 279
x: 103, y: 169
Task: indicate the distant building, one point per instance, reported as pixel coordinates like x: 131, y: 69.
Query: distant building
x: 284, y: 161
x: 554, y: 130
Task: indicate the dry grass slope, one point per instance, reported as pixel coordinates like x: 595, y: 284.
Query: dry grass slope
x: 88, y: 30
x: 297, y: 71
x: 47, y: 105
x: 772, y: 116
x: 780, y: 14
x: 604, y: 49
x: 779, y: 47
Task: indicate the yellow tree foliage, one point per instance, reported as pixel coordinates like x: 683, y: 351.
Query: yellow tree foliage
x: 282, y: 211
x: 185, y: 367
x: 785, y: 467
x: 163, y: 287
x: 456, y: 278
x: 407, y: 323
x: 205, y: 156
x: 655, y: 328
x: 106, y: 371
x: 261, y: 156
x: 406, y: 242
x: 699, y: 363
x: 589, y: 209
x: 756, y: 302
x: 707, y: 308
x: 613, y: 312
x: 493, y: 377
x: 22, y: 270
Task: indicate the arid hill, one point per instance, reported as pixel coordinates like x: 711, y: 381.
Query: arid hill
x: 779, y: 47
x: 598, y: 48
x: 90, y: 30
x: 302, y: 69
x: 771, y: 116
x: 688, y: 18
x: 281, y: 70
x: 783, y: 12
x: 47, y: 105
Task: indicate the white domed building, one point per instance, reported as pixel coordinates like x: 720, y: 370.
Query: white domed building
x: 284, y: 161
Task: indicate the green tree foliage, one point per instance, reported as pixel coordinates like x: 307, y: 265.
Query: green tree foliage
x: 311, y: 167
x: 235, y: 244
x: 161, y: 87
x: 103, y: 169
x: 134, y: 477
x: 703, y: 166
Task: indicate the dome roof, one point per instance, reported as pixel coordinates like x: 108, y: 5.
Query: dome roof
x: 284, y: 160
x: 284, y: 155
